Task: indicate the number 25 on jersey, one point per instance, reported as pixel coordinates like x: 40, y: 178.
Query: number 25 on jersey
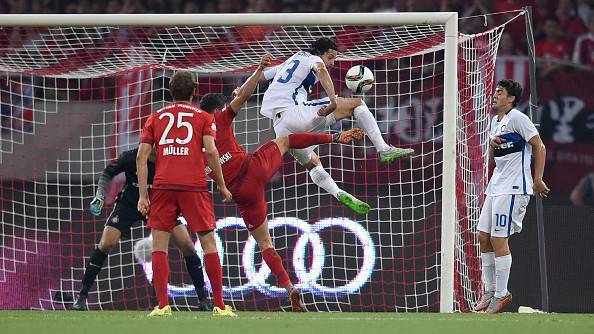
x: 180, y: 123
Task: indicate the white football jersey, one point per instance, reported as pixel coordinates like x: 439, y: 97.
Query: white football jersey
x: 512, y: 173
x: 291, y: 82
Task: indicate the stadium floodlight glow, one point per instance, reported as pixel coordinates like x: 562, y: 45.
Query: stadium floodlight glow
x: 307, y: 279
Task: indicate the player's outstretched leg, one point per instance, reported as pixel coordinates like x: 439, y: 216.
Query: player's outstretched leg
x: 307, y: 139
x: 321, y: 178
x: 214, y: 271
x: 183, y: 241
x: 357, y: 108
x: 108, y: 240
x: 275, y: 263
x: 387, y: 153
x: 300, y: 143
x: 354, y: 203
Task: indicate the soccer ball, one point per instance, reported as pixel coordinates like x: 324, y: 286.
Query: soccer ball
x: 359, y: 79
x: 143, y: 250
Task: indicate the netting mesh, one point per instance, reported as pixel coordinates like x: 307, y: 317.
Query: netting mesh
x: 74, y: 98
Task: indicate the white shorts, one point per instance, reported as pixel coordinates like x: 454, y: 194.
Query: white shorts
x: 501, y: 216
x: 302, y: 118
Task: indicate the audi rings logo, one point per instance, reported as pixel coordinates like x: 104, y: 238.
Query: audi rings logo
x: 308, y: 279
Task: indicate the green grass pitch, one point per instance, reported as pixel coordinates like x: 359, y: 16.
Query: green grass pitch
x: 110, y: 322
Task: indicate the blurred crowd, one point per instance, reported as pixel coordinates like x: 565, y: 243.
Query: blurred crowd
x: 564, y: 29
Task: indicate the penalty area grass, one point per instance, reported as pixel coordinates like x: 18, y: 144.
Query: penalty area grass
x: 110, y: 322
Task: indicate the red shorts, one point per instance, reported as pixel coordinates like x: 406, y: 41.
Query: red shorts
x: 196, y: 207
x: 248, y: 189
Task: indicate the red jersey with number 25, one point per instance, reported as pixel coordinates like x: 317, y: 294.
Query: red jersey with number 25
x: 177, y: 131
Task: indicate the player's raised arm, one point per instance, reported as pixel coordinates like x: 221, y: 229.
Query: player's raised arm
x: 247, y: 89
x: 144, y: 151
x: 212, y: 157
x: 326, y: 82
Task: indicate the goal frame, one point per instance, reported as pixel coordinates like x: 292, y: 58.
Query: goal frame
x: 449, y: 19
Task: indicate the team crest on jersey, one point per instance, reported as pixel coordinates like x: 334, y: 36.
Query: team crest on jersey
x: 115, y: 219
x: 213, y: 126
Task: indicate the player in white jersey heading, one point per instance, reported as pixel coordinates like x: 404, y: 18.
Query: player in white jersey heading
x: 286, y: 103
x: 513, y: 140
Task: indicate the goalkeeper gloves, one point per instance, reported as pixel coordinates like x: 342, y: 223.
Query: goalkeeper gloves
x: 97, y: 205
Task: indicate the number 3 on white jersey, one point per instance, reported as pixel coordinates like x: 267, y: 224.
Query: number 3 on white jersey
x: 164, y: 140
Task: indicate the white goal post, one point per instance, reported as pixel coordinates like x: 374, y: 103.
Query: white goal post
x: 450, y: 83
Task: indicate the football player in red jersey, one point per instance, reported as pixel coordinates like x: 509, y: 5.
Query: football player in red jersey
x: 179, y: 132
x: 247, y: 174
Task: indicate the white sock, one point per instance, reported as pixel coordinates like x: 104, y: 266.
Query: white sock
x: 502, y: 267
x: 368, y: 123
x: 488, y: 264
x: 320, y: 177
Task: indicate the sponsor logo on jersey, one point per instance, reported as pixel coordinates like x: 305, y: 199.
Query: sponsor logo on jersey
x: 512, y: 142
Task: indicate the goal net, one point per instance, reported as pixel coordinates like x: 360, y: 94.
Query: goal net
x: 74, y: 98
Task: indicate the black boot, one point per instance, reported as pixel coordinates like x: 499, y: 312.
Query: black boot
x: 80, y: 304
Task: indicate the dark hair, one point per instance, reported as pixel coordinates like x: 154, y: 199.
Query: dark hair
x: 513, y: 88
x: 321, y: 45
x: 182, y: 85
x: 212, y: 101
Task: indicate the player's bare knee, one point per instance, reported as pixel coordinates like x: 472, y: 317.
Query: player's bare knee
x: 500, y: 245
x: 485, y: 242
x: 207, y: 241
x: 313, y: 162
x: 350, y: 103
x: 183, y: 241
x: 264, y: 240
x: 106, y: 246
x: 265, y: 244
x: 484, y: 237
x: 345, y: 107
x: 107, y: 242
x: 187, y: 248
x: 160, y: 240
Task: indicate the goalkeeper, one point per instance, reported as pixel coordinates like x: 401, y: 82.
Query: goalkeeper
x: 121, y: 219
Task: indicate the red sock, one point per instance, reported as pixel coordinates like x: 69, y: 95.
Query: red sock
x: 303, y: 140
x: 161, y: 277
x: 212, y: 264
x: 275, y: 263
